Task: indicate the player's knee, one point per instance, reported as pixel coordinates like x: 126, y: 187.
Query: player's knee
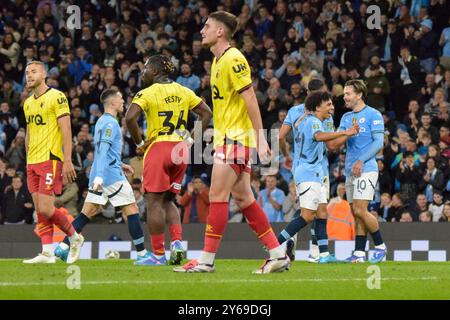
x: 243, y: 200
x: 217, y: 195
x: 130, y: 209
x: 358, y: 211
x: 45, y: 209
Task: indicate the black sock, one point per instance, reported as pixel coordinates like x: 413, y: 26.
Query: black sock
x: 322, y: 238
x: 291, y: 229
x: 376, y: 236
x: 78, y: 224
x: 134, y: 227
x: 313, y: 233
x: 360, y: 243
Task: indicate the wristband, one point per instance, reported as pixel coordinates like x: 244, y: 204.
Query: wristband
x: 140, y: 144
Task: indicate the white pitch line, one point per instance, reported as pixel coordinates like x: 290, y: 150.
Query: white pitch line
x: 196, y: 281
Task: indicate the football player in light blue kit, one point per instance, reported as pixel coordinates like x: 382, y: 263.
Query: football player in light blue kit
x: 291, y: 123
x: 361, y: 168
x: 309, y: 172
x: 107, y: 181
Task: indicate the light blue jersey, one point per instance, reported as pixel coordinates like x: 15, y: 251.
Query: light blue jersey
x: 108, y: 151
x: 292, y: 116
x: 308, y: 151
x: 370, y: 122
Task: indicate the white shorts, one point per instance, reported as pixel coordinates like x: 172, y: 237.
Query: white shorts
x: 361, y: 188
x: 325, y: 191
x: 309, y: 194
x: 119, y: 194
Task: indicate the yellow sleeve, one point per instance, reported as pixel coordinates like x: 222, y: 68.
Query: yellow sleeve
x: 239, y: 72
x: 140, y: 100
x: 61, y: 105
x: 193, y: 99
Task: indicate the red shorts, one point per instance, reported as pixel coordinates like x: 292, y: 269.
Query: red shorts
x: 237, y: 156
x: 45, y: 177
x: 165, y: 166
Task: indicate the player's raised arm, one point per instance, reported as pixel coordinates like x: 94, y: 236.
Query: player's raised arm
x: 68, y: 170
x: 251, y: 103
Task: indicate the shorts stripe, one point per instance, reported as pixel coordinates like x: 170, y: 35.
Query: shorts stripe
x: 115, y: 193
x: 54, y: 163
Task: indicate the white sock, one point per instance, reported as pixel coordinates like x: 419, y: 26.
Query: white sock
x: 64, y: 246
x: 277, y: 252
x: 48, y: 249
x: 158, y: 256
x: 207, y: 257
x: 314, y: 250
x: 73, y: 237
x: 141, y: 253
x: 381, y: 246
x: 324, y: 254
x: 359, y: 253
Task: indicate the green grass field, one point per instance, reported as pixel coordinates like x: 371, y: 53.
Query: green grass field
x: 120, y: 279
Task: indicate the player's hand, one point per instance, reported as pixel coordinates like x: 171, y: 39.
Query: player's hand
x: 288, y: 162
x: 264, y: 151
x: 357, y: 168
x: 352, y: 131
x: 98, y: 182
x: 128, y: 170
x: 68, y: 172
x: 141, y: 150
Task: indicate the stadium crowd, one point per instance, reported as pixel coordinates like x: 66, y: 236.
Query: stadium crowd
x: 405, y: 63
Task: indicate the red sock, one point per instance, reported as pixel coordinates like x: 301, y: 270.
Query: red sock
x: 158, y: 244
x: 45, y: 229
x: 215, y: 225
x: 259, y: 223
x: 175, y: 232
x: 62, y: 222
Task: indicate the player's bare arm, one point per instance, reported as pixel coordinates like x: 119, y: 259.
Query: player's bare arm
x: 205, y: 114
x: 336, y: 143
x: 327, y: 136
x: 131, y: 118
x: 68, y: 170
x: 255, y: 116
x: 27, y: 139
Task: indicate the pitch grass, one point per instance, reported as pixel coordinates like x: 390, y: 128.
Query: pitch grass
x: 120, y: 279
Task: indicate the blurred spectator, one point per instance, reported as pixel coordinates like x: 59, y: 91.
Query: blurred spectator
x: 188, y: 79
x: 195, y: 201
x: 9, y: 49
x: 385, y: 205
x: 426, y: 216
x: 291, y: 204
x: 437, y: 206
x: 406, y: 217
x: 16, y: 205
x: 445, y: 213
x: 433, y: 179
x: 419, y: 206
x: 68, y: 199
x: 397, y: 208
x: 409, y: 177
x: 271, y: 200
